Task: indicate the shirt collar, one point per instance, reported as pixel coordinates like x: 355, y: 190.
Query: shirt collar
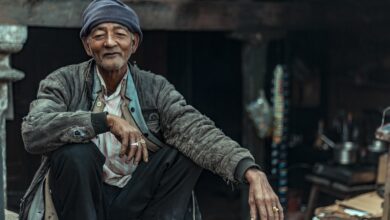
x: 104, y: 87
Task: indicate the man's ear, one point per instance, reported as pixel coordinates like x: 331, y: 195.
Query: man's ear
x: 134, y: 42
x: 86, y: 46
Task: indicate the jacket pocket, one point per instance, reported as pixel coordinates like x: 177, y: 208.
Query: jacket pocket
x: 152, y: 119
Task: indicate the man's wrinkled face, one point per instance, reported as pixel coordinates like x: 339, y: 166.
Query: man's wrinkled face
x: 111, y: 45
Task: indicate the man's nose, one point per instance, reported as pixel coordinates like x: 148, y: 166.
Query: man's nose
x: 110, y: 41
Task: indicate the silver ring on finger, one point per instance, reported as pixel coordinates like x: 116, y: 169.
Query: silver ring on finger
x: 142, y: 141
x: 135, y: 144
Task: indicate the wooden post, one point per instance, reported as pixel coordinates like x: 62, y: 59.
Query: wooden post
x: 254, y: 60
x: 254, y: 68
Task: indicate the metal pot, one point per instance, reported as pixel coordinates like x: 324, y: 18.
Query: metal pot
x: 377, y: 146
x: 375, y: 150
x: 345, y: 153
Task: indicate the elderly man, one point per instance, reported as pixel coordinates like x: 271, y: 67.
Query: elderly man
x: 121, y: 143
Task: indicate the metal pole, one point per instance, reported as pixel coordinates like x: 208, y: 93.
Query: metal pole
x: 3, y: 108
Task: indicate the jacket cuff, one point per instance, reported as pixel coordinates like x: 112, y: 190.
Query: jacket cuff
x: 242, y: 167
x: 99, y: 122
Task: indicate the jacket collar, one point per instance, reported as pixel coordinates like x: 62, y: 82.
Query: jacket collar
x: 97, y: 86
x: 93, y: 83
x: 89, y: 78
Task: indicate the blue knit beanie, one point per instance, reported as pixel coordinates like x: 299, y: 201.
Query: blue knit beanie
x: 100, y: 11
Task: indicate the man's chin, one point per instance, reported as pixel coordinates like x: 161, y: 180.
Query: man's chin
x: 112, y: 66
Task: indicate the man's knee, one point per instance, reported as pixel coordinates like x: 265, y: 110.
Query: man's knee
x: 77, y: 157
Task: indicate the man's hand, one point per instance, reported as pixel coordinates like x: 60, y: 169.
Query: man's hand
x: 133, y: 144
x: 263, y: 201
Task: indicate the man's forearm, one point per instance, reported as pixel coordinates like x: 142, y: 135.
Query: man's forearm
x: 45, y: 132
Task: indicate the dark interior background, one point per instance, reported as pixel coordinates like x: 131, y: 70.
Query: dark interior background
x: 332, y: 72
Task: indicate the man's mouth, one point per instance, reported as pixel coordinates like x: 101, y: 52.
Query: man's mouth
x: 110, y: 55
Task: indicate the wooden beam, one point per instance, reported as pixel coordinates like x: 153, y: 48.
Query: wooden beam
x: 254, y: 66
x: 154, y: 15
x: 210, y: 15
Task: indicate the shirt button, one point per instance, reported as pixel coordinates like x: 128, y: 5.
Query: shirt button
x: 132, y: 109
x: 98, y: 104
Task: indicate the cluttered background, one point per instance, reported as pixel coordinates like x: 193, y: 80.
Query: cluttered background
x: 301, y: 84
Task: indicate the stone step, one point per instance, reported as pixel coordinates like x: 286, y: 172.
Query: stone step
x: 9, y: 215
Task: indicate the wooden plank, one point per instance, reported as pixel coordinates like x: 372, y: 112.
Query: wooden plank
x: 209, y: 15
x: 154, y: 15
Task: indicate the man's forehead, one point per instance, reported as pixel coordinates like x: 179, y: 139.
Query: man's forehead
x: 109, y: 25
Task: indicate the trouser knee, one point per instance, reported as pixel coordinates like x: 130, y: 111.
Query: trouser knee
x: 75, y: 181
x: 77, y: 159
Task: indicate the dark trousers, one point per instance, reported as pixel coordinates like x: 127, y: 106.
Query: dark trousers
x: 159, y: 189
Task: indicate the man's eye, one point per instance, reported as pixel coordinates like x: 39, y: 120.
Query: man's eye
x: 98, y: 36
x: 121, y: 34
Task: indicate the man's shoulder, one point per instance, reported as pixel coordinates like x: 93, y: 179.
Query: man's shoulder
x: 147, y: 75
x: 72, y: 69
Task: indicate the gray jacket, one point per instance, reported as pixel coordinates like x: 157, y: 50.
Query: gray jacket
x: 61, y: 114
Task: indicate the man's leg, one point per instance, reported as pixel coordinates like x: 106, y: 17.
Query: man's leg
x: 76, y: 182
x: 159, y: 189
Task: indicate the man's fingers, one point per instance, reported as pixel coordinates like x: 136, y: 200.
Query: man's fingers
x: 271, y: 201
x: 132, y: 151
x: 270, y: 205
x: 145, y: 152
x: 124, y: 146
x: 281, y: 213
x: 270, y: 212
x: 138, y: 154
x: 262, y: 210
x: 276, y: 215
x: 252, y: 207
x: 133, y: 148
x: 276, y: 210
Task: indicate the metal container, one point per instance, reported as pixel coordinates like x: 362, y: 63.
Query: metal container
x: 375, y: 150
x: 345, y: 153
x: 377, y: 146
x: 383, y: 132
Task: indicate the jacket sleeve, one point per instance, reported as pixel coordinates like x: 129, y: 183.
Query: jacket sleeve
x: 195, y: 135
x: 49, y: 125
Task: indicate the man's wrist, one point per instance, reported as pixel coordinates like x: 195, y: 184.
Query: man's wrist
x: 242, y: 167
x: 252, y: 174
x: 109, y: 120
